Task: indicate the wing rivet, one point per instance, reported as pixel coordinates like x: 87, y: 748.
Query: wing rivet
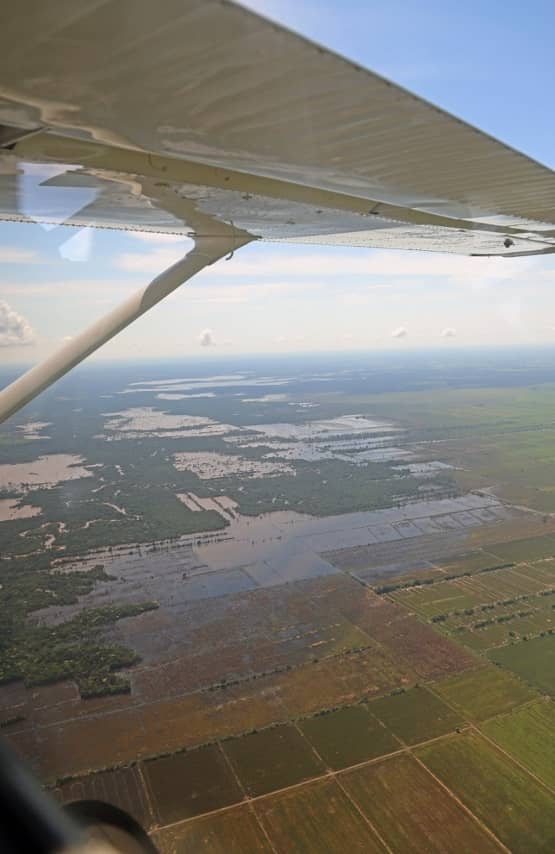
x: 508, y: 242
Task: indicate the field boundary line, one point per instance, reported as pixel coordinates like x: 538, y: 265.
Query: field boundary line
x: 148, y: 795
x: 260, y: 824
x: 364, y: 817
x: 461, y: 803
x: 328, y: 775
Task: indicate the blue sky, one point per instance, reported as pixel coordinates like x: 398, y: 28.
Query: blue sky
x: 489, y: 62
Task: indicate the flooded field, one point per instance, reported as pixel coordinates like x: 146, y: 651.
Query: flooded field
x: 44, y: 471
x: 208, y: 466
x: 10, y: 508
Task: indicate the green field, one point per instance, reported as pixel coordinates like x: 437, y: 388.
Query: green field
x: 412, y: 811
x: 317, y: 817
x: 234, y: 831
x: 488, y: 782
x: 191, y: 783
x: 272, y: 759
x: 483, y: 693
x: 442, y: 597
x: 533, y: 660
x: 415, y: 715
x: 528, y: 734
x: 472, y: 562
x: 348, y: 736
x: 531, y: 548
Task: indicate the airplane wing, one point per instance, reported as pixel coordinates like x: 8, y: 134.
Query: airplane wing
x: 199, y: 117
x: 116, y: 110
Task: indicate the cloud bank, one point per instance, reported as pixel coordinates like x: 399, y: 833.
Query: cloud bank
x: 15, y: 330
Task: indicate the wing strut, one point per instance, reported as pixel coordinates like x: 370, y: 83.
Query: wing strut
x: 206, y: 250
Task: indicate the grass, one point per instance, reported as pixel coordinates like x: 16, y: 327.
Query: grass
x: 231, y: 832
x: 530, y: 548
x: 532, y: 660
x: 481, y: 694
x: 348, y: 736
x: 415, y: 715
x: 516, y: 808
x: 473, y: 562
x: 272, y: 759
x: 527, y: 734
x: 412, y: 811
x: 187, y: 784
x: 316, y: 817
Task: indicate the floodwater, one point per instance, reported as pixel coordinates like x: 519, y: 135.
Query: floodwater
x: 44, y: 471
x: 208, y: 465
x: 10, y: 509
x: 33, y: 429
x: 280, y: 547
x: 145, y: 421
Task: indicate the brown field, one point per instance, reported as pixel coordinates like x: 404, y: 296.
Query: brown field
x: 430, y: 654
x: 123, y: 788
x: 348, y: 736
x: 188, y: 784
x: 234, y: 831
x: 412, y: 811
x: 415, y: 715
x: 316, y: 817
x: 341, y: 680
x: 272, y: 759
x: 103, y: 739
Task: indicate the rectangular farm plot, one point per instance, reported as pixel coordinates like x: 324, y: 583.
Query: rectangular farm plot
x: 543, y: 570
x: 234, y: 831
x: 316, y: 817
x: 420, y: 647
x: 272, y: 759
x: 415, y: 715
x: 483, y: 693
x: 528, y: 734
x: 123, y: 788
x: 471, y: 562
x: 531, y: 548
x: 442, y: 597
x: 532, y: 660
x: 348, y: 736
x: 505, y: 798
x: 188, y: 784
x: 334, y: 681
x: 412, y: 811
x: 505, y: 583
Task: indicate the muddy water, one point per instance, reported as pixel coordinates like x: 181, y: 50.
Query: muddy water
x: 44, y: 471
x: 9, y: 509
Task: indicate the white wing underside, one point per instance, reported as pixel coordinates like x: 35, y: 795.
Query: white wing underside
x: 124, y: 112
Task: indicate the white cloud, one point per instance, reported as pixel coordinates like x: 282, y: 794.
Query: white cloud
x: 206, y: 338
x: 400, y: 332
x: 15, y: 330
x: 448, y: 332
x: 156, y: 260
